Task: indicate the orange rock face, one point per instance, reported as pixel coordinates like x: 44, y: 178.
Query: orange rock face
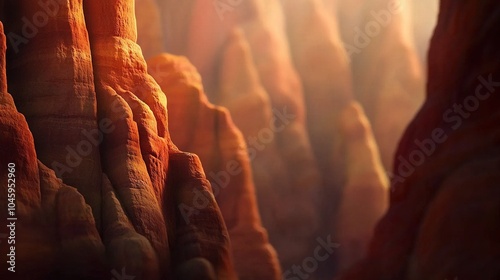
x: 316, y: 94
x: 42, y: 204
x: 222, y: 151
x: 135, y: 107
x: 59, y: 106
x: 91, y: 93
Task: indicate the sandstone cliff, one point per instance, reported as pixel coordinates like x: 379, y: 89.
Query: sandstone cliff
x: 100, y: 121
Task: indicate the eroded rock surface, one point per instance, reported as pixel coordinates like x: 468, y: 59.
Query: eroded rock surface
x: 222, y: 150
x: 125, y: 221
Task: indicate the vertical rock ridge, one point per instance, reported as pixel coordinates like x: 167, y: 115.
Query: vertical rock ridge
x: 50, y: 77
x: 222, y: 151
x: 136, y: 164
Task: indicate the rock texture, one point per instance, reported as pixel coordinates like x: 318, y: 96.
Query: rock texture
x: 90, y: 92
x: 222, y: 150
x: 143, y: 156
x: 58, y: 105
x: 135, y: 107
x: 43, y: 204
x: 443, y: 217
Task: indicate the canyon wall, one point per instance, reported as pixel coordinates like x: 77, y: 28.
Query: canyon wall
x: 92, y: 113
x: 229, y: 139
x: 283, y: 71
x: 443, y: 217
x: 222, y: 151
x: 285, y: 170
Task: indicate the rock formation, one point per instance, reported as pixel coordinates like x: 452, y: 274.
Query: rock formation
x: 43, y: 204
x: 201, y: 23
x: 387, y: 74
x: 355, y: 184
x: 323, y: 66
x: 244, y: 96
x: 443, y: 217
x: 142, y: 114
x: 59, y: 106
x: 257, y: 81
x: 105, y: 191
x: 365, y: 194
x: 132, y: 104
x: 222, y: 150
x: 91, y: 93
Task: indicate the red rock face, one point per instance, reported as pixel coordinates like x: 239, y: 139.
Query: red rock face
x: 58, y: 105
x: 443, y: 218
x: 121, y: 219
x: 319, y: 91
x: 43, y: 205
